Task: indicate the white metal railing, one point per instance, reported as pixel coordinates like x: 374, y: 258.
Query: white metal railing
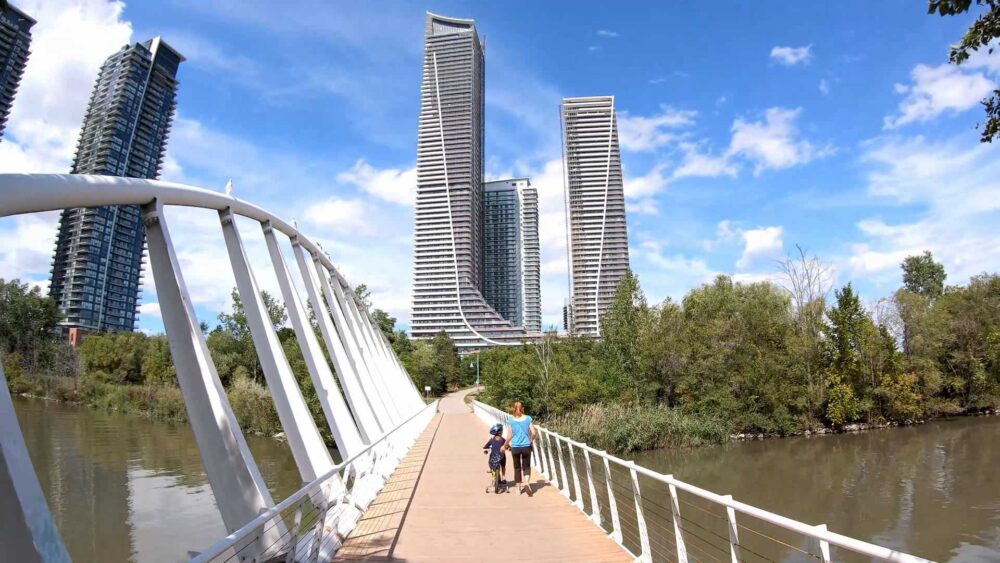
x: 649, y: 531
x: 315, y: 519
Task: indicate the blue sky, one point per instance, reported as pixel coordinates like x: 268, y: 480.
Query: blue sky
x: 745, y: 131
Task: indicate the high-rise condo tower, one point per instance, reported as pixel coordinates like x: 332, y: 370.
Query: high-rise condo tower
x: 98, y: 260
x: 15, y: 38
x: 448, y: 260
x: 597, y: 238
x: 511, y: 250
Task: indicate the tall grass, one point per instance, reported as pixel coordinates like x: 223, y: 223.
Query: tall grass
x: 628, y: 428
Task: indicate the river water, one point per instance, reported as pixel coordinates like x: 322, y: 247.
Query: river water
x: 122, y: 487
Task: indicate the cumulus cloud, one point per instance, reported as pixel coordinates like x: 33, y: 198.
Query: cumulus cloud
x: 391, y: 184
x: 762, y: 242
x: 791, y: 56
x: 703, y: 164
x: 646, y: 133
x: 340, y: 215
x: 955, y: 186
x: 651, y: 183
x: 934, y: 90
x: 773, y: 143
x: 606, y: 33
x: 69, y: 43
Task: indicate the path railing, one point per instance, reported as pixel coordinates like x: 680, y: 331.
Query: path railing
x: 641, y: 510
x: 314, y: 520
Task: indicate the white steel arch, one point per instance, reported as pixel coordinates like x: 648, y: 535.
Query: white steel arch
x: 379, y: 397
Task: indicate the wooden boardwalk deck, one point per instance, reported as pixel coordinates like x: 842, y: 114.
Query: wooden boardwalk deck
x: 435, y: 508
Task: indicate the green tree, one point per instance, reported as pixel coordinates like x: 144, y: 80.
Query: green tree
x: 621, y: 326
x: 27, y: 321
x: 923, y: 276
x: 115, y: 357
x: 980, y: 35
x: 231, y: 343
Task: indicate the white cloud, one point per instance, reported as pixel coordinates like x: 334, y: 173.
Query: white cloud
x: 27, y: 252
x: 773, y: 143
x: 391, y: 184
x: 954, y: 185
x: 824, y: 87
x: 606, y: 33
x: 594, y: 48
x: 666, y: 274
x: 150, y: 309
x: 762, y: 242
x: 939, y: 89
x: 340, y: 215
x: 790, y: 56
x: 645, y: 206
x: 69, y: 43
x: 651, y: 183
x: 697, y: 163
x: 642, y: 133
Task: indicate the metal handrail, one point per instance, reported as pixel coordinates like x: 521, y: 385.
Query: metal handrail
x: 229, y: 542
x: 545, y: 464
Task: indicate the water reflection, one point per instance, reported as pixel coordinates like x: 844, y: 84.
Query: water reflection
x: 932, y: 490
x: 121, y: 487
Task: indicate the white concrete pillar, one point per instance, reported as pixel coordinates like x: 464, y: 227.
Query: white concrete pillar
x: 27, y: 532
x: 361, y: 407
x: 342, y: 424
x: 308, y: 448
x: 240, y: 491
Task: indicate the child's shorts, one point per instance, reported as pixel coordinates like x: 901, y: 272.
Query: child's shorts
x: 498, y: 460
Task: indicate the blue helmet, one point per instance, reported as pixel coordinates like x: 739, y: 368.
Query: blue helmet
x: 496, y: 429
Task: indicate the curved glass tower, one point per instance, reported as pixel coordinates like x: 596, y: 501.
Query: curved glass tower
x: 448, y: 262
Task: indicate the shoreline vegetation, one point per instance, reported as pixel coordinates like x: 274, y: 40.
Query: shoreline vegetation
x: 784, y: 357
x: 730, y: 361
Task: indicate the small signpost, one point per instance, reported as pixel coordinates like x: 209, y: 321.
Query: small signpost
x: 427, y: 391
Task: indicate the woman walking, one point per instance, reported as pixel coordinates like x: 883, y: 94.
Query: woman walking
x: 520, y: 436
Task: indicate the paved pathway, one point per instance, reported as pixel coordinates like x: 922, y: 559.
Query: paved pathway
x: 435, y: 508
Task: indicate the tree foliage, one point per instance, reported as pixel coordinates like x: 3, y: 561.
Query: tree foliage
x: 923, y: 276
x: 982, y: 34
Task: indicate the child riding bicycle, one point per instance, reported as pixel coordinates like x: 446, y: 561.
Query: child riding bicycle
x: 497, y: 459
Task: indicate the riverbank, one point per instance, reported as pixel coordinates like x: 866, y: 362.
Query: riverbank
x: 623, y: 429
x: 251, y: 402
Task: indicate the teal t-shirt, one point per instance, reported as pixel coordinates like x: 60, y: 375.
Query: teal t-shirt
x: 520, y: 436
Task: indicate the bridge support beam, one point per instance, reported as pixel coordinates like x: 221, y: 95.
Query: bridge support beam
x: 27, y: 532
x: 342, y: 425
x: 347, y: 335
x: 308, y: 449
x: 239, y: 490
x: 395, y: 376
x: 363, y: 342
x: 347, y: 373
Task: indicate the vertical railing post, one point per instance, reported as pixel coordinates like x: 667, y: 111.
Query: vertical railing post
x: 317, y: 540
x: 240, y: 491
x: 595, y: 507
x: 675, y: 511
x: 647, y: 555
x: 293, y: 540
x: 543, y: 466
x: 578, y: 501
x: 824, y: 547
x: 555, y: 474
x: 616, y: 525
x: 562, y: 469
x: 734, y: 534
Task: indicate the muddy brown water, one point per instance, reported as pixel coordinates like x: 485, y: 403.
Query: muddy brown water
x: 122, y: 487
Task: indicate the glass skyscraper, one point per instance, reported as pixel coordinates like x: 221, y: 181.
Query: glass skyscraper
x: 597, y: 238
x: 15, y: 38
x: 511, y: 251
x: 97, y: 266
x: 449, y: 259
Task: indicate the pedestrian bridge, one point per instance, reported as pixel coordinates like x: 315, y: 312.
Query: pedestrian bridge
x: 411, y: 485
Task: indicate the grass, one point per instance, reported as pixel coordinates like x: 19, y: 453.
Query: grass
x: 627, y: 428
